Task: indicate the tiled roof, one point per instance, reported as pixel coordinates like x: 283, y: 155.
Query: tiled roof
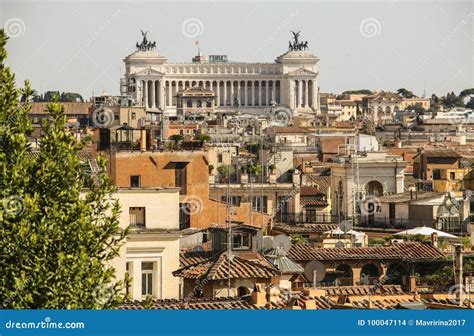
x: 187, y: 258
x: 406, y: 250
x: 322, y: 183
x: 304, y: 228
x: 441, y: 153
x: 217, y: 268
x: 286, y: 299
x: 69, y: 108
x: 363, y: 290
x: 225, y: 303
x: 316, y: 201
x: 310, y: 191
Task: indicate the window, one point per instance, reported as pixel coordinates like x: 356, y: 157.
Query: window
x: 189, y: 103
x: 219, y: 158
x: 134, y: 115
x: 135, y: 181
x: 452, y: 175
x: 241, y: 241
x: 147, y: 278
x: 180, y: 177
x: 137, y: 216
x: 234, y: 200
x: 259, y: 203
x: 436, y: 174
x: 184, y: 216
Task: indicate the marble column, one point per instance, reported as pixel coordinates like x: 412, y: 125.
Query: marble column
x: 218, y: 93
x: 260, y: 93
x: 306, y: 99
x: 246, y: 93
x: 273, y: 91
x: 225, y: 93
x: 267, y: 101
x: 169, y: 102
x: 253, y: 94
x: 152, y: 94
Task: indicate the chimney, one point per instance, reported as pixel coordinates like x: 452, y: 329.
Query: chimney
x: 143, y: 140
x: 258, y: 296
x: 369, y: 304
x: 411, y: 283
x: 313, y: 292
x: 273, y: 295
x: 292, y: 304
x: 458, y: 274
x: 434, y: 239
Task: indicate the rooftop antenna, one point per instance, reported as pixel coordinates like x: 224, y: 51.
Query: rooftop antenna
x: 355, y: 180
x: 424, y: 89
x: 229, y: 228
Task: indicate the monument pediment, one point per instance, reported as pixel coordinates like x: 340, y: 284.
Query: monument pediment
x: 302, y: 72
x: 149, y: 72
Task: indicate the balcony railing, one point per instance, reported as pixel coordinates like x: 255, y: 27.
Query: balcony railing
x: 302, y: 218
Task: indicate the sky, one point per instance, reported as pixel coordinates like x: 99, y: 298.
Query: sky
x: 79, y: 46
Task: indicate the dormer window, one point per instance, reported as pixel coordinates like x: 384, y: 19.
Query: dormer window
x: 241, y: 241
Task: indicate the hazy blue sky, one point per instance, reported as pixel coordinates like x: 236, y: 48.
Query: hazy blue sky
x: 79, y: 46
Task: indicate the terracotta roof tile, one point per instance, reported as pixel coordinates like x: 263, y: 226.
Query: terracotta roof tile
x: 304, y: 228
x: 217, y: 268
x: 406, y: 250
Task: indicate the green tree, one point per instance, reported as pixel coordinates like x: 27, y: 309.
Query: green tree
x: 252, y: 147
x: 415, y: 107
x: 176, y: 138
x: 451, y: 100
x: 59, y: 224
x: 202, y: 137
x: 405, y: 93
x: 363, y: 91
x: 70, y: 97
x: 255, y: 169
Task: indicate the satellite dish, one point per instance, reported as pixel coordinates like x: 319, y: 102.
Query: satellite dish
x: 339, y: 244
x: 197, y: 248
x: 315, y: 268
x: 345, y: 226
x: 267, y: 242
x: 282, y: 241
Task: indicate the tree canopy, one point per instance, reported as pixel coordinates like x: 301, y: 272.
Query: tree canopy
x: 405, y: 93
x: 60, y: 227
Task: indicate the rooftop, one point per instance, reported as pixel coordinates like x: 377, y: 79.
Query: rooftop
x: 397, y: 251
x: 216, y: 267
x: 304, y: 228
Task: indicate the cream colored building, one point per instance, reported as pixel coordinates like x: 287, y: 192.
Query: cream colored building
x: 151, y: 251
x: 425, y: 103
x: 379, y: 174
x: 291, y: 81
